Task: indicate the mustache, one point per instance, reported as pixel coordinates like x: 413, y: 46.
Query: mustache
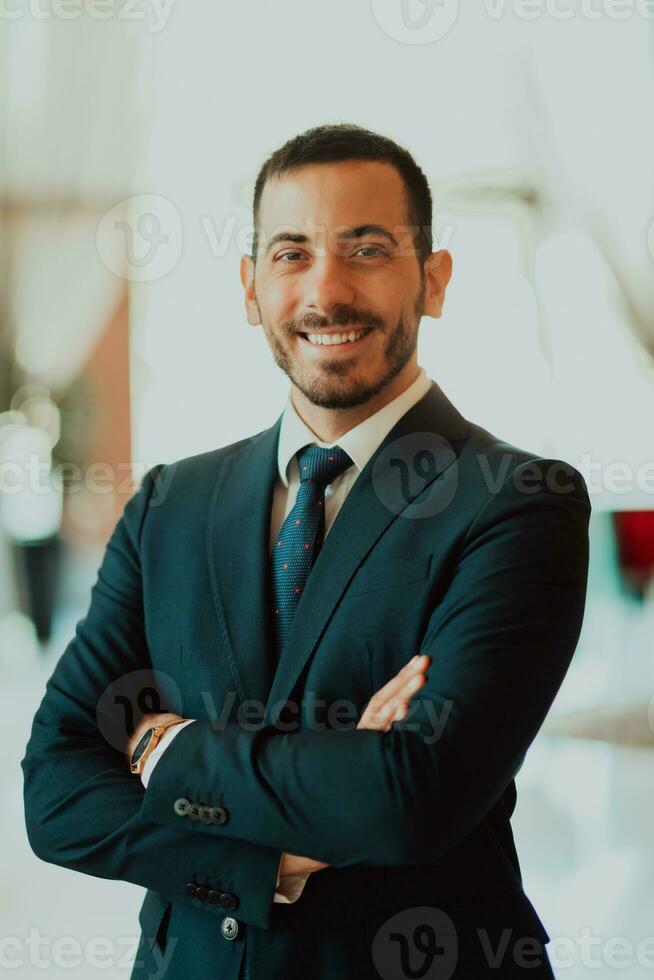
x: 348, y: 318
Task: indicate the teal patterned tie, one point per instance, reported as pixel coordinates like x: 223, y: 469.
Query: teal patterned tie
x: 297, y: 545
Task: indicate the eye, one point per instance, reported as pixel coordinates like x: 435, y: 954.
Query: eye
x: 373, y: 248
x: 285, y: 255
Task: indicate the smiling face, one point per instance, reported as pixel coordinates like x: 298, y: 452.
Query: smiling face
x: 336, y: 261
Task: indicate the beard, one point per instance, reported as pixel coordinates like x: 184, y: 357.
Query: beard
x: 329, y: 386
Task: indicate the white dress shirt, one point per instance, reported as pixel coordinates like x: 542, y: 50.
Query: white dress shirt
x: 359, y: 443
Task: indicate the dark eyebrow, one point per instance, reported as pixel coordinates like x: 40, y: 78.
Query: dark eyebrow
x: 359, y: 232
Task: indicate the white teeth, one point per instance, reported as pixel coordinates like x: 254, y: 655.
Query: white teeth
x: 334, y: 338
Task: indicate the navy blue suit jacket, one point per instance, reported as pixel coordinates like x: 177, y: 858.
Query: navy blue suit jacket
x: 450, y: 542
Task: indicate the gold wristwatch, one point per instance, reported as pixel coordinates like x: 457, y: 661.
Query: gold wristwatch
x: 147, y: 744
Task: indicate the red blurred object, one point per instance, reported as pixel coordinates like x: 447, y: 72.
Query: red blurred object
x: 634, y: 530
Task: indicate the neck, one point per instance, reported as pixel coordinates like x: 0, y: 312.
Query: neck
x: 329, y: 424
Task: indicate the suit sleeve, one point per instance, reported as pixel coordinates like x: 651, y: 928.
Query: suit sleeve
x: 286, y: 891
x: 83, y: 807
x: 500, y: 640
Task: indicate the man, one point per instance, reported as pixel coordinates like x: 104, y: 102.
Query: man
x: 304, y: 801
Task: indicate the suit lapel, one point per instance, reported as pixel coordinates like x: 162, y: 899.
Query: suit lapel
x: 238, y: 533
x: 238, y: 540
x: 377, y: 497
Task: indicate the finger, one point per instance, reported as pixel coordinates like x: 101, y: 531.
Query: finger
x: 404, y: 694
x: 400, y: 711
x: 405, y: 685
x: 380, y: 714
x: 414, y: 666
x: 398, y: 689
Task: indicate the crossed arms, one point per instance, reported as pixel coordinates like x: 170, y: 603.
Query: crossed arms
x: 500, y: 643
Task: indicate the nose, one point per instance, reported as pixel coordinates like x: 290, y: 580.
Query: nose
x: 327, y: 284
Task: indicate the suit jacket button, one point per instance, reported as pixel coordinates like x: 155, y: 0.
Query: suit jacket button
x: 218, y: 814
x: 191, y: 889
x: 181, y: 807
x: 229, y: 927
x: 228, y: 901
x: 202, y: 893
x: 205, y: 814
x: 194, y: 811
x: 213, y: 897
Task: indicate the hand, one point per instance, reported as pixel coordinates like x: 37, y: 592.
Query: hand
x: 149, y: 721
x: 389, y: 704
x: 293, y: 864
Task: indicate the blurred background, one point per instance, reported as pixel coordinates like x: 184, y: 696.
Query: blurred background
x: 130, y: 138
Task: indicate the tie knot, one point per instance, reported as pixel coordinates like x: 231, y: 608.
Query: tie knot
x: 322, y: 465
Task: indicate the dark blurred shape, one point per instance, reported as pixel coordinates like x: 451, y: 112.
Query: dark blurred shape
x: 38, y: 571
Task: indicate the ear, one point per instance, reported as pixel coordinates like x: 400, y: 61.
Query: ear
x: 438, y: 270
x: 247, y: 279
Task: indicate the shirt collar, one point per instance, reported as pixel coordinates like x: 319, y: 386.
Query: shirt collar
x: 360, y: 442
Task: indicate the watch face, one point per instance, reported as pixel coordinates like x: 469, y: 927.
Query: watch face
x: 141, y: 746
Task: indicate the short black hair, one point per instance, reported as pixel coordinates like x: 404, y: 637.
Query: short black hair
x: 347, y: 141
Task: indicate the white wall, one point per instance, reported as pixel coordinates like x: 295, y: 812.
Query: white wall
x: 527, y: 345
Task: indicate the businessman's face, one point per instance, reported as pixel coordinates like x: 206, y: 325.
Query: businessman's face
x: 336, y: 259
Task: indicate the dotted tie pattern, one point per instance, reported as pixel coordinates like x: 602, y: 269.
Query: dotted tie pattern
x: 297, y: 545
